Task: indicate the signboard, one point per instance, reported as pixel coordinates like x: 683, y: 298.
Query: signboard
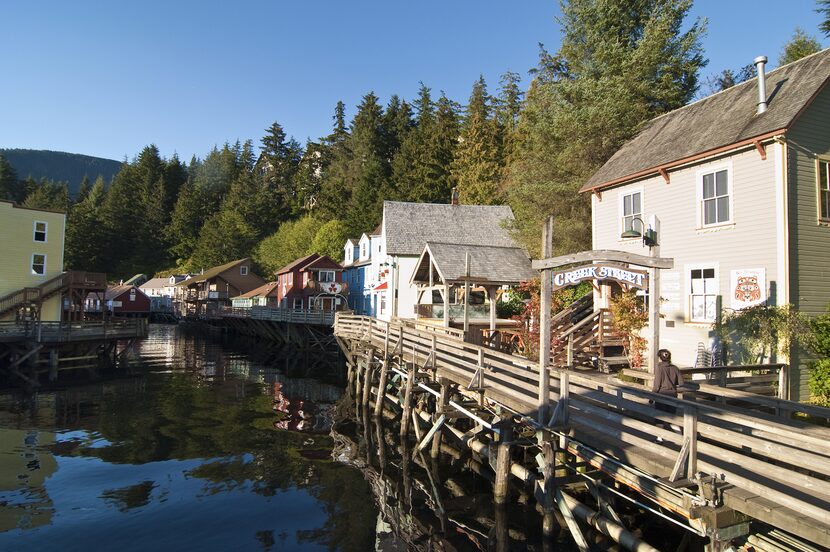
x: 332, y: 287
x: 748, y: 287
x: 573, y: 276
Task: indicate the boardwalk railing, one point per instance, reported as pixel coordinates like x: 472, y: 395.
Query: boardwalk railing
x: 294, y: 316
x: 772, y: 469
x: 64, y: 332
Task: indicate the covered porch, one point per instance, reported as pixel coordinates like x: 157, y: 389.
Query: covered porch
x: 458, y: 286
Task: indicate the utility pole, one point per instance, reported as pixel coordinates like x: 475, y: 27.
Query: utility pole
x: 544, y: 324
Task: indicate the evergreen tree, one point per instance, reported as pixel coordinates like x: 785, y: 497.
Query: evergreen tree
x: 800, y: 45
x: 46, y: 194
x: 334, y: 192
x: 479, y: 160
x: 278, y: 162
x: 83, y: 190
x: 367, y: 169
x: 824, y: 10
x: 421, y: 169
x: 85, y: 241
x: 10, y: 188
x: 621, y: 63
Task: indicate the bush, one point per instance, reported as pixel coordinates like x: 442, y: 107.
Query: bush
x: 819, y: 382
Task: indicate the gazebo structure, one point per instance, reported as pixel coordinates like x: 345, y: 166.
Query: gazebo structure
x: 456, y: 279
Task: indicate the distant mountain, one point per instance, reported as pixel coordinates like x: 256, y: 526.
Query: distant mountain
x: 60, y: 166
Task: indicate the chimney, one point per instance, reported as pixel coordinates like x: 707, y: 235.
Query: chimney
x: 454, y: 198
x: 759, y: 62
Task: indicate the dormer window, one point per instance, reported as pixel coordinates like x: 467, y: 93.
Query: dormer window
x: 362, y: 250
x: 243, y: 270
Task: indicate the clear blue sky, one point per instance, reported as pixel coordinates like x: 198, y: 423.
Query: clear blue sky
x: 107, y: 77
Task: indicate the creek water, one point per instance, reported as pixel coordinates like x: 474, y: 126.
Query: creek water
x: 204, y: 444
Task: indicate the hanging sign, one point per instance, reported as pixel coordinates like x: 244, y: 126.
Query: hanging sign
x: 749, y: 287
x: 573, y: 276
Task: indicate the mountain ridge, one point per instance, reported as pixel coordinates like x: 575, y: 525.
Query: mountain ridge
x: 60, y: 166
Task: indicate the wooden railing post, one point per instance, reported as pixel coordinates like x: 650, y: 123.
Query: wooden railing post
x: 570, y: 359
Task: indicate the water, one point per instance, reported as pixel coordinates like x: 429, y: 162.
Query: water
x: 202, y: 446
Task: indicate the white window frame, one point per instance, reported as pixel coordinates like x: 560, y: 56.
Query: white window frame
x: 45, y: 231
x: 823, y: 193
x: 32, y: 265
x: 328, y: 272
x: 690, y: 317
x: 243, y: 270
x: 300, y: 299
x: 730, y: 190
x: 621, y: 200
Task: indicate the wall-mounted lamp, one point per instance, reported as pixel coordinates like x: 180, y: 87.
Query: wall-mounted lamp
x: 648, y: 234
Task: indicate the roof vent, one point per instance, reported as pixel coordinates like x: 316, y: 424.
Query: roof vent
x: 759, y: 62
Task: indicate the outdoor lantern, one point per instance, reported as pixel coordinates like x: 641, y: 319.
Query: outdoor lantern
x: 649, y: 235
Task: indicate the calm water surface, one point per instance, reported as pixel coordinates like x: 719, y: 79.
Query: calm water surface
x: 204, y: 446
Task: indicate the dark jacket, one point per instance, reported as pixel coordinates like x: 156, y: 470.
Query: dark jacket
x: 667, y: 378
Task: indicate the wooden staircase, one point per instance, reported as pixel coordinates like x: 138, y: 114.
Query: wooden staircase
x: 582, y: 336
x: 29, y: 298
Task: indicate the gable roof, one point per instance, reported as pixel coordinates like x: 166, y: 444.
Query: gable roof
x: 113, y: 292
x: 155, y: 283
x: 212, y: 273
x: 322, y: 262
x: 297, y: 263
x: 488, y: 263
x: 409, y: 226
x: 266, y: 290
x: 724, y: 119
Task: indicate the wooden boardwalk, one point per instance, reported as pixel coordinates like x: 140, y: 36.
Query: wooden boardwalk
x: 730, y: 457
x: 68, y: 332
x: 292, y: 316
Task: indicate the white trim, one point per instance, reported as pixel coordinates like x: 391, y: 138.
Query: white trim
x: 620, y: 211
x: 45, y: 231
x: 594, y: 221
x: 727, y: 166
x: 819, y: 161
x: 32, y: 265
x: 782, y: 235
x: 687, y: 285
x: 243, y: 270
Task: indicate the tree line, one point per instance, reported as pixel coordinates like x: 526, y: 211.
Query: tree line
x: 619, y: 65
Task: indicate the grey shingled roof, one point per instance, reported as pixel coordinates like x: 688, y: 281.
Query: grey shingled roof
x: 493, y: 264
x: 719, y: 120
x: 409, y: 226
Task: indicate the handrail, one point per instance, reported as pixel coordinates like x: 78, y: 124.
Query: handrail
x: 771, y: 449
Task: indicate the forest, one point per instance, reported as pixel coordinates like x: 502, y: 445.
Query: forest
x: 619, y: 65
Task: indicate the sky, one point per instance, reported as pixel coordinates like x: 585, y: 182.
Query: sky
x: 106, y: 78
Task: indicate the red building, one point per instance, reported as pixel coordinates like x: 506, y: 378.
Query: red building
x: 121, y: 300
x: 312, y: 282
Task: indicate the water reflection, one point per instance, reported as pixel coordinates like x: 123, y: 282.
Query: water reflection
x: 205, y: 446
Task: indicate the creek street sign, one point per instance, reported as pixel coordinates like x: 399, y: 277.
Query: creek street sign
x: 573, y: 276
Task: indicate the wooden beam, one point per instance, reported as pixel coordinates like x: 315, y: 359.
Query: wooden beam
x: 604, y: 255
x: 665, y: 174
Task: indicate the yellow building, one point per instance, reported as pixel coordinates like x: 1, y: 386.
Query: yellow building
x: 31, y: 253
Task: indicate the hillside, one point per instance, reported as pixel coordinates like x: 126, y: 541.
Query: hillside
x: 60, y: 166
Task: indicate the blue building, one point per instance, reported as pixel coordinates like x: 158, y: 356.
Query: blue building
x: 360, y: 273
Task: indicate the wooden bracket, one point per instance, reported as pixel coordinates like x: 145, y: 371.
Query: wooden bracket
x: 681, y: 464
x: 477, y: 383
x: 665, y: 174
x: 761, y: 149
x: 598, y: 193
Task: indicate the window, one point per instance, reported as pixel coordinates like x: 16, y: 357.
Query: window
x: 824, y: 190
x: 715, y: 197
x: 298, y: 302
x: 362, y: 250
x: 382, y: 307
x: 326, y: 276
x: 132, y: 294
x: 38, y: 264
x: 243, y: 270
x: 40, y: 231
x: 703, y: 295
x: 632, y: 207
